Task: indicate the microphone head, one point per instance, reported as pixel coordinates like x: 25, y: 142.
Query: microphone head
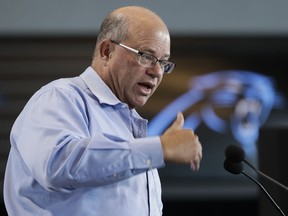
x: 235, y: 153
x: 232, y: 167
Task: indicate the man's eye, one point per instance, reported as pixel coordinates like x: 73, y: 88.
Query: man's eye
x: 148, y: 57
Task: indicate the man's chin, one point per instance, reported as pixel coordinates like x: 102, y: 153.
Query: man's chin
x: 140, y: 102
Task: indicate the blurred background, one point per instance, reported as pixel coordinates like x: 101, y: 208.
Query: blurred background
x: 44, y: 40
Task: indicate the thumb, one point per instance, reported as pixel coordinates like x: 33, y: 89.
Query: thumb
x: 179, y: 121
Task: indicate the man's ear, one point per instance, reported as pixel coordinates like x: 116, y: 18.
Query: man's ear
x: 105, y: 50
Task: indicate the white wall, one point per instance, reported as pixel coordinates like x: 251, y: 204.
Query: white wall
x: 182, y: 16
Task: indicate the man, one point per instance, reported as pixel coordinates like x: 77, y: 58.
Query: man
x: 80, y: 148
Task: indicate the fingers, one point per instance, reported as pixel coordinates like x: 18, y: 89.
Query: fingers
x: 195, y: 163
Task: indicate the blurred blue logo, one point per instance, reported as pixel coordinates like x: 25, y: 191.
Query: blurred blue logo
x: 234, y: 101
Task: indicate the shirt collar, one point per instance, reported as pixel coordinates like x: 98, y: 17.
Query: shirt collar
x: 99, y: 88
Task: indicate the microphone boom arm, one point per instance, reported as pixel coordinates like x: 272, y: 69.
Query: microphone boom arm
x: 266, y: 193
x: 265, y: 176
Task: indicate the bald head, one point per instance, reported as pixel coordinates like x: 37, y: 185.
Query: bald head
x: 126, y: 22
x: 139, y: 16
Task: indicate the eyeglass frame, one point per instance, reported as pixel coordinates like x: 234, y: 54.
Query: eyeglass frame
x: 173, y: 65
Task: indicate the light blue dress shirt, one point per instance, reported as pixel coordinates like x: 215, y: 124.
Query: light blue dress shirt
x: 77, y: 150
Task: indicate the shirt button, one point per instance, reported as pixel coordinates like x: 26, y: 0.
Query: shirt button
x: 149, y: 162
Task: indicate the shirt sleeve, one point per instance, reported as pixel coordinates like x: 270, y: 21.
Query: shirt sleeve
x: 53, y: 139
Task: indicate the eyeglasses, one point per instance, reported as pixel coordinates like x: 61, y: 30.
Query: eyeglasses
x: 148, y: 60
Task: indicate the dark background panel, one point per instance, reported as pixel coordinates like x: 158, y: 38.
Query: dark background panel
x: 27, y: 63
x: 273, y: 160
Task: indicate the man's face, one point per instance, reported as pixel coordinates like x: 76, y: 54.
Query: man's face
x: 132, y: 82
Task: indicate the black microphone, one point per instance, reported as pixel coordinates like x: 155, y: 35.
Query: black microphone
x: 237, y: 168
x: 236, y: 154
x: 232, y: 167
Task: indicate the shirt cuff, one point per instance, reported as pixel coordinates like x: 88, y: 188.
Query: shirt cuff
x: 147, y: 153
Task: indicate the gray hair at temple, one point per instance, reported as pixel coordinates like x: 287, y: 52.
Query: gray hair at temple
x: 114, y: 27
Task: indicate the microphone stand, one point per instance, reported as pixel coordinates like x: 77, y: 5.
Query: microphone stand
x: 266, y: 193
x: 265, y: 176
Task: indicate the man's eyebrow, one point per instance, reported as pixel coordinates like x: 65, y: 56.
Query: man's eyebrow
x: 152, y: 52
